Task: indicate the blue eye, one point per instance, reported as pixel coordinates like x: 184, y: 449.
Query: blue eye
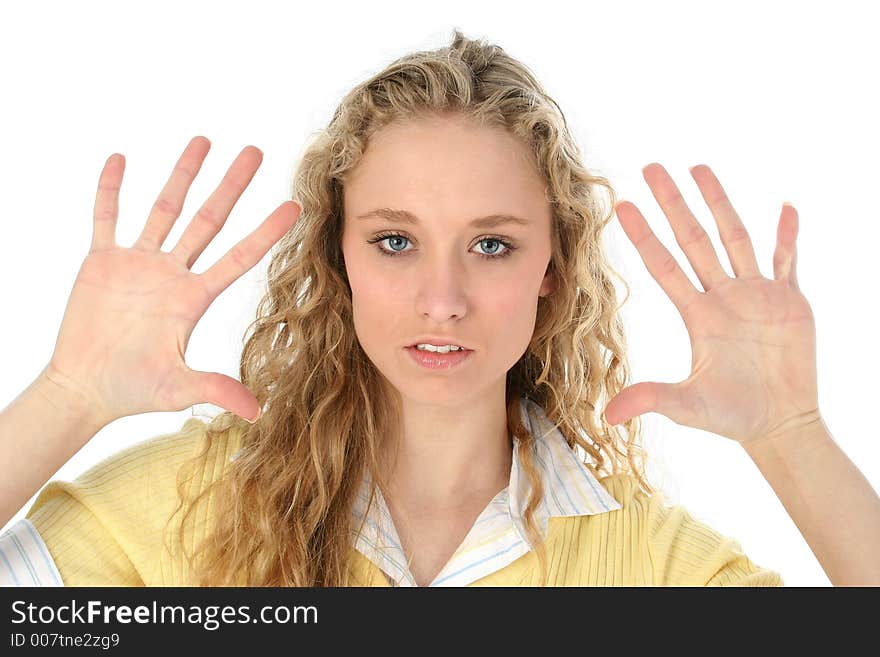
x: 508, y: 247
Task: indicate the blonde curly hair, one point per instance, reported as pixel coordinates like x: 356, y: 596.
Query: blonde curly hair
x: 283, y: 509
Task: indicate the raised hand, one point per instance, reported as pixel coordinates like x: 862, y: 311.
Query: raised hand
x: 131, y: 312
x: 753, y: 339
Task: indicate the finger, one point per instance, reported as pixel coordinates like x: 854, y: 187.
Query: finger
x: 168, y: 206
x: 645, y: 397
x: 107, y: 204
x: 213, y: 214
x: 689, y: 233
x: 733, y: 233
x: 785, y: 255
x: 659, y: 262
x: 249, y: 251
x: 224, y: 391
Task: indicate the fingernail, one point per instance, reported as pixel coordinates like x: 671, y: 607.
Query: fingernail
x: 259, y: 413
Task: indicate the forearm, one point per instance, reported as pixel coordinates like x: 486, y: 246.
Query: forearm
x: 40, y: 430
x: 828, y: 498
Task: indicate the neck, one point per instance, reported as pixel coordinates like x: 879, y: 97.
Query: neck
x: 446, y: 457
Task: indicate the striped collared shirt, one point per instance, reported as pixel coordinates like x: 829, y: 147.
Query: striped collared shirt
x: 498, y: 535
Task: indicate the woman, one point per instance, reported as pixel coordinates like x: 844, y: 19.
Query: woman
x: 445, y: 205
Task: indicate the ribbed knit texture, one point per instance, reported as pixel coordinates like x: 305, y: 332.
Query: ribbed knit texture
x: 105, y: 529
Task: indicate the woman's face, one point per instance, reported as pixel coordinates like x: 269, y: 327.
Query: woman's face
x: 439, y: 278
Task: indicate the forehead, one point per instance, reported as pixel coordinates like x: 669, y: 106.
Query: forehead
x: 444, y: 164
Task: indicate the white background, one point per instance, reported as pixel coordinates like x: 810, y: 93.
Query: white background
x: 780, y: 99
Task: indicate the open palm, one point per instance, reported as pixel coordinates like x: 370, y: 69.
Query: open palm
x: 131, y: 312
x: 753, y: 339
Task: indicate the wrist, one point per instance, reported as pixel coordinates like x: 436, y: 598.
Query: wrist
x: 792, y: 434
x: 69, y: 398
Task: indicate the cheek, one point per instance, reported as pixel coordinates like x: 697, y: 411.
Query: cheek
x: 362, y: 278
x: 512, y: 313
x: 379, y: 305
x: 377, y: 292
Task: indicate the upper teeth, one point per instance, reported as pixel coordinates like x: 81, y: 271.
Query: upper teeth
x: 444, y: 349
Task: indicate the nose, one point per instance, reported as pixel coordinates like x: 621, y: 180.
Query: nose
x: 442, y: 293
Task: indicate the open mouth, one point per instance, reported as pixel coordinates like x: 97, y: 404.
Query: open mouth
x: 437, y: 360
x: 416, y: 346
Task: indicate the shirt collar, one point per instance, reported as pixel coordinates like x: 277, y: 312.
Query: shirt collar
x: 570, y: 489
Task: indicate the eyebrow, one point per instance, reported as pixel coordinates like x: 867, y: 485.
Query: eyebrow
x: 402, y: 216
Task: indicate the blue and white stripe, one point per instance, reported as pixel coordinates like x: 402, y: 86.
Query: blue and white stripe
x: 497, y: 537
x: 25, y: 559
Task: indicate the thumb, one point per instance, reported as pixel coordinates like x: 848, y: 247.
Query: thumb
x: 226, y: 392
x: 645, y: 397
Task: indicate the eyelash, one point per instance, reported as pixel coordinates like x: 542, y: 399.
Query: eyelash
x: 508, y: 247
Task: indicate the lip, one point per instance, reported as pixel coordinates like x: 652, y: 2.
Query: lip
x: 434, y: 361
